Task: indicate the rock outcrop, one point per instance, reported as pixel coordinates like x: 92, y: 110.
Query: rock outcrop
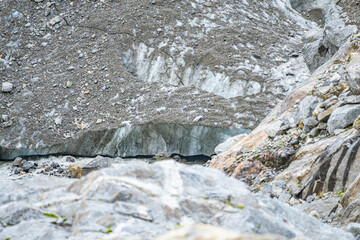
x: 318, y: 154
x: 147, y: 200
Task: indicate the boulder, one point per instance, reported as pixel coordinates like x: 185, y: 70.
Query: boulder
x: 354, y: 228
x: 274, y: 129
x: 353, y: 69
x: 343, y: 117
x: 307, y: 107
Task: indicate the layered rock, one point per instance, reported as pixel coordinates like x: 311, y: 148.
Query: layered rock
x: 127, y: 141
x: 147, y: 200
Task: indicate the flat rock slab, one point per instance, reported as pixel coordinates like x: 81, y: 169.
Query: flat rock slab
x: 147, y: 200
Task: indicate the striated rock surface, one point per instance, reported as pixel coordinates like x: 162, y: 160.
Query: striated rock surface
x: 145, y: 201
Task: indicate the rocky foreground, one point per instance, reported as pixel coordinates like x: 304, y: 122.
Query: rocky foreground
x: 306, y: 151
x: 142, y: 201
x: 86, y: 84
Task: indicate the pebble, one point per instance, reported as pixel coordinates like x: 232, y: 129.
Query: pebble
x: 6, y: 87
x: 55, y: 20
x: 197, y: 119
x: 5, y: 118
x: 54, y: 165
x: 27, y: 165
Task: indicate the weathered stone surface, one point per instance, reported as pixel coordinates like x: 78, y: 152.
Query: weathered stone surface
x: 324, y: 207
x: 343, y: 117
x: 147, y: 139
x: 147, y: 200
x: 354, y: 228
x: 353, y: 70
x: 274, y: 129
x: 208, y: 232
x: 352, y: 192
x: 223, y: 147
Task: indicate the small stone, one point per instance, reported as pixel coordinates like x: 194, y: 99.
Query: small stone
x: 27, y: 165
x: 70, y: 159
x: 197, y: 119
x: 58, y: 121
x: 159, y: 30
x: 98, y: 121
x: 5, y: 118
x: 17, y: 170
x: 315, y: 132
x: 310, y: 198
x: 55, y: 20
x: 75, y: 171
x: 54, y: 165
x: 6, y: 87
x: 324, y: 116
x: 71, y: 68
x: 310, y: 122
x: 354, y: 99
x: 208, y: 4
x: 68, y: 84
x: 356, y: 124
x: 314, y: 214
x: 17, y: 162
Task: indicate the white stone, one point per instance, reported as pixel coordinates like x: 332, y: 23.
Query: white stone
x: 6, y: 87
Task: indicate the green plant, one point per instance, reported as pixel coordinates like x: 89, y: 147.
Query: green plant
x: 50, y: 215
x: 108, y: 230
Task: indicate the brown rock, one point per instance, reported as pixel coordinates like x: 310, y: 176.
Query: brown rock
x: 324, y: 116
x: 17, y: 162
x: 75, y: 171
x: 356, y: 123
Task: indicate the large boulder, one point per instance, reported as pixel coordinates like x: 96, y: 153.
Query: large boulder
x: 343, y: 117
x: 147, y: 200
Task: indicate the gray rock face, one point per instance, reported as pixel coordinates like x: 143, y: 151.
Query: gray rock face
x: 143, y: 200
x: 147, y: 139
x: 343, y: 117
x: 322, y: 43
x: 353, y: 70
